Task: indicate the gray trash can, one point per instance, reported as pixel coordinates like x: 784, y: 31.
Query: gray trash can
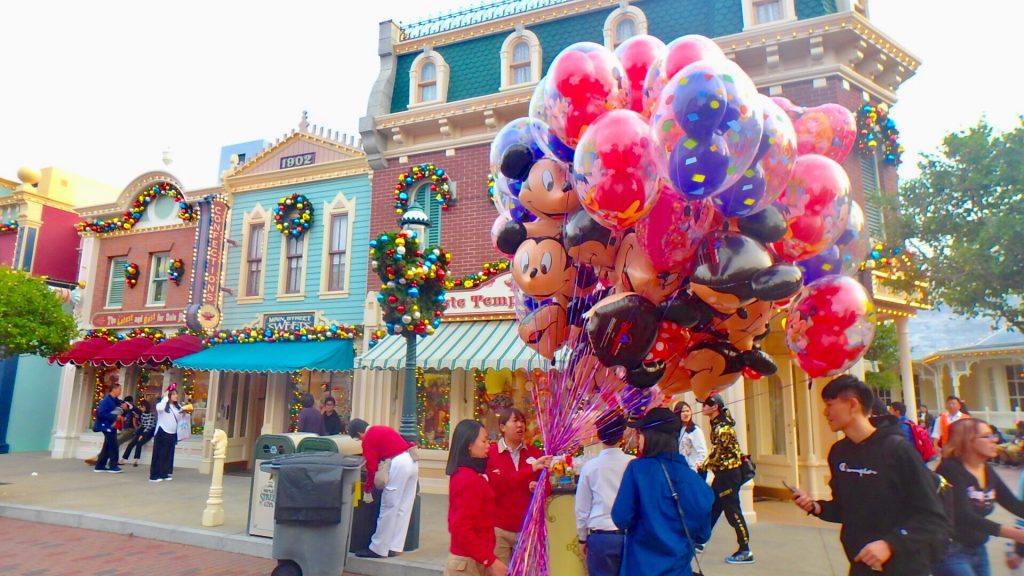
x: 261, y: 492
x: 310, y: 539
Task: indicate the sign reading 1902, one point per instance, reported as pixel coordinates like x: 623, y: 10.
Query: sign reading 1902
x: 298, y: 160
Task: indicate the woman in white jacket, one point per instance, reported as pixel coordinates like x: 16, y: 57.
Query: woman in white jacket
x: 691, y: 440
x: 168, y: 414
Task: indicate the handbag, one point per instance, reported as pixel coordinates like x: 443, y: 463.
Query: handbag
x: 747, y: 469
x: 682, y: 516
x: 184, y: 427
x: 380, y: 479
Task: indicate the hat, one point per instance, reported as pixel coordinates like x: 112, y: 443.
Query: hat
x: 714, y: 400
x: 660, y: 420
x: 172, y: 387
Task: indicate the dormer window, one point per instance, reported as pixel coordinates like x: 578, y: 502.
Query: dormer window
x: 428, y: 82
x: 520, y: 59
x: 768, y: 11
x: 622, y: 24
x: 764, y: 12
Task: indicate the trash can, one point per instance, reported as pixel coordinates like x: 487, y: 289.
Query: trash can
x: 364, y: 522
x: 261, y: 494
x: 339, y: 443
x: 313, y: 515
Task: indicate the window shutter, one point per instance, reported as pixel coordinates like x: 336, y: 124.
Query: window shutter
x: 872, y: 212
x: 115, y: 292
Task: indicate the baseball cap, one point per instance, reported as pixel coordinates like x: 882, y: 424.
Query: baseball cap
x: 660, y: 420
x: 714, y: 400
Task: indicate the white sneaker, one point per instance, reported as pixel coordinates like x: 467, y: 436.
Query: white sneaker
x: 156, y: 480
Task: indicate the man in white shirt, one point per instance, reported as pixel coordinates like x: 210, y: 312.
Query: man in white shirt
x: 940, y: 431
x: 599, y: 482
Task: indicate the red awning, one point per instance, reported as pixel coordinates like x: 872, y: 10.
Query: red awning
x: 124, y: 352
x: 171, y: 349
x: 82, y: 352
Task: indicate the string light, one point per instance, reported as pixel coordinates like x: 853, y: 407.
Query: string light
x: 318, y: 333
x: 99, y: 389
x: 188, y: 387
x: 481, y: 398
x: 296, y: 404
x: 423, y: 411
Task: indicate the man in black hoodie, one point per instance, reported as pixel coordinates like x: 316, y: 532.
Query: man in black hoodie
x: 893, y: 520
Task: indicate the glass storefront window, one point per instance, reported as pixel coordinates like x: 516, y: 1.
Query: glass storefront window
x: 196, y: 388
x: 337, y: 385
x: 149, y: 385
x: 505, y: 389
x: 434, y: 409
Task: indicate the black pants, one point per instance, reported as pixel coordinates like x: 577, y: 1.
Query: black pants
x: 162, y: 465
x: 138, y: 441
x: 108, y: 454
x: 727, y: 499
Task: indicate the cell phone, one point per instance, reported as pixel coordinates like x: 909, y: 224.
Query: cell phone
x: 788, y: 487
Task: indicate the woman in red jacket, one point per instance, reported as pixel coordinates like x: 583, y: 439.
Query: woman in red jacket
x: 470, y: 505
x: 512, y: 469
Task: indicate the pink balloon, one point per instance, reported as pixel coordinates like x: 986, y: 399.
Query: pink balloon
x: 616, y: 169
x: 830, y: 325
x: 791, y: 110
x: 829, y: 130
x: 671, y: 233
x: 779, y: 150
x: 816, y: 206
x: 638, y: 55
x: 679, y: 54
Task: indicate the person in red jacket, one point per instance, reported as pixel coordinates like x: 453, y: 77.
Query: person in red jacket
x: 470, y: 505
x: 512, y: 470
x: 381, y: 444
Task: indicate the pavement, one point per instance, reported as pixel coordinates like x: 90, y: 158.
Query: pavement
x: 36, y: 491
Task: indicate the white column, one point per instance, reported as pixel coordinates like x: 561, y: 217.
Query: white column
x: 66, y: 430
x: 735, y: 401
x: 212, y: 421
x: 785, y: 374
x: 274, y: 421
x: 906, y: 367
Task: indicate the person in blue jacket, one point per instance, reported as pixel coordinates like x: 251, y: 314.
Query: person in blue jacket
x: 109, y: 408
x: 652, y: 512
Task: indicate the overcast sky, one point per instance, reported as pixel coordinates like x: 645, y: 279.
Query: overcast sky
x: 102, y: 88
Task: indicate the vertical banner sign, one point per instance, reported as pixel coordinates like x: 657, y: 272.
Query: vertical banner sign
x: 206, y: 275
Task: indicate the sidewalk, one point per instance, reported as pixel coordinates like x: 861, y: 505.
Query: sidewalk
x: 68, y: 493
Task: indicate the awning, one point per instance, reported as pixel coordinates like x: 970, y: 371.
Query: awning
x: 172, y: 349
x: 495, y: 345
x: 81, y: 352
x: 329, y: 355
x: 124, y: 352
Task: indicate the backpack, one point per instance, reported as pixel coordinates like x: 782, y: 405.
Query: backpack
x: 922, y: 440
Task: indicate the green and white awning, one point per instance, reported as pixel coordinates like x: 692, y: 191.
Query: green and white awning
x: 494, y: 344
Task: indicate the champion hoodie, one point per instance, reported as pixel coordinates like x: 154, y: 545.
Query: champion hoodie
x: 880, y: 491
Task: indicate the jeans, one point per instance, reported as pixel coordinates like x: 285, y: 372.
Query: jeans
x: 604, y: 554
x: 138, y: 441
x: 963, y: 560
x: 108, y: 454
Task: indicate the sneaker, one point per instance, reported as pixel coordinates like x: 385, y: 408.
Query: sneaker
x: 115, y: 470
x: 99, y: 469
x: 168, y: 478
x: 392, y: 553
x: 741, y: 557
x: 367, y: 553
x: 156, y: 479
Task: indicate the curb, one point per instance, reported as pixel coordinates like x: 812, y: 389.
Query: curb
x: 234, y: 543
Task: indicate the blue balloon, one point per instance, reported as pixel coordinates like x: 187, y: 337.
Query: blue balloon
x: 828, y: 263
x: 743, y: 197
x: 699, y: 103
x: 698, y: 170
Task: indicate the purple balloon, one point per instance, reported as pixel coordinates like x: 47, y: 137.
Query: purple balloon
x: 828, y: 263
x: 744, y: 197
x: 698, y: 170
x: 699, y: 102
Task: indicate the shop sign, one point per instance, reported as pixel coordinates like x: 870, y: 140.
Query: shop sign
x: 298, y: 160
x: 210, y: 235
x: 289, y: 322
x: 141, y: 318
x: 491, y: 300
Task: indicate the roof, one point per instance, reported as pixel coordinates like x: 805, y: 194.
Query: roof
x: 468, y: 16
x: 997, y: 341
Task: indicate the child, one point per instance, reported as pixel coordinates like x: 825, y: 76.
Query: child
x: 143, y: 432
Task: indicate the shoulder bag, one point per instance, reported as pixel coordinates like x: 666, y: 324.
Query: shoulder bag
x: 682, y: 518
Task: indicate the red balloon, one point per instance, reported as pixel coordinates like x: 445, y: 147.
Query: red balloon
x: 583, y: 83
x: 816, y: 205
x: 688, y: 49
x: 830, y: 325
x: 638, y: 55
x: 671, y: 233
x: 829, y: 130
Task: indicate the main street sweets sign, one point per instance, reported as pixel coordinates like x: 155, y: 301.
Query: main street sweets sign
x: 492, y: 300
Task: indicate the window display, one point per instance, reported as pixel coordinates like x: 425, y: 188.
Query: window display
x: 498, y: 389
x: 434, y: 408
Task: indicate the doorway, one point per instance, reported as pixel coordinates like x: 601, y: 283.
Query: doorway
x: 242, y: 401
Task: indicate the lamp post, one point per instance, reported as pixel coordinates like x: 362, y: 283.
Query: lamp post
x: 414, y: 220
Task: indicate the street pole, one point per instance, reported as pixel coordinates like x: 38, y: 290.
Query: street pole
x: 408, y: 428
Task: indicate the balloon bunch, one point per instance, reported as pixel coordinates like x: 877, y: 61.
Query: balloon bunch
x: 874, y: 126
x: 131, y: 274
x: 659, y: 212
x: 319, y: 333
x: 412, y: 294
x: 439, y: 186
x: 176, y: 271
x: 9, y: 226
x: 294, y: 225
x: 131, y: 217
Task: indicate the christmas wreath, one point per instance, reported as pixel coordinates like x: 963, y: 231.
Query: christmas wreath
x: 439, y: 186
x: 294, y: 215
x: 186, y: 213
x: 412, y: 292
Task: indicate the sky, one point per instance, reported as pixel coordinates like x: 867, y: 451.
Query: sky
x: 103, y: 88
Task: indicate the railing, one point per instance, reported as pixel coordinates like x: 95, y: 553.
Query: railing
x: 468, y: 16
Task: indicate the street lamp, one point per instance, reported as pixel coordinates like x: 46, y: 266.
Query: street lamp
x: 414, y: 220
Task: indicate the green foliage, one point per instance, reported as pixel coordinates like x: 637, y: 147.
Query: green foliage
x: 412, y: 293
x: 32, y: 319
x: 966, y: 211
x: 885, y: 352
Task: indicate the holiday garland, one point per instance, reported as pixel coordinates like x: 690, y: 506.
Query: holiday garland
x: 890, y: 259
x: 319, y: 333
x: 422, y: 414
x: 99, y: 389
x: 188, y: 388
x: 873, y: 127
x: 155, y: 334
x: 470, y: 281
x: 9, y: 226
x: 131, y: 274
x: 296, y: 402
x: 297, y: 225
x: 439, y: 186
x: 412, y: 294
x: 131, y: 217
x: 480, y: 397
x: 176, y: 271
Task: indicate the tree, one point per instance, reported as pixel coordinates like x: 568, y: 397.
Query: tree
x: 32, y: 319
x: 966, y: 211
x: 884, y: 351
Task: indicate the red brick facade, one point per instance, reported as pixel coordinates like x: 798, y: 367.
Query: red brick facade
x: 56, y: 254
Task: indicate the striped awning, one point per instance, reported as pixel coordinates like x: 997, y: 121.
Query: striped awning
x: 494, y: 344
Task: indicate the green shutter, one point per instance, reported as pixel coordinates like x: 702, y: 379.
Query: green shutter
x: 434, y: 232
x: 872, y: 211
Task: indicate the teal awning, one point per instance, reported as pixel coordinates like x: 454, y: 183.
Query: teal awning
x: 327, y: 356
x: 494, y: 344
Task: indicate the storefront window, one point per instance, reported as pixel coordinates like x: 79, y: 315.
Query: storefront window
x: 501, y: 389
x: 103, y: 377
x: 434, y: 408
x: 196, y: 386
x: 149, y: 385
x: 337, y: 385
